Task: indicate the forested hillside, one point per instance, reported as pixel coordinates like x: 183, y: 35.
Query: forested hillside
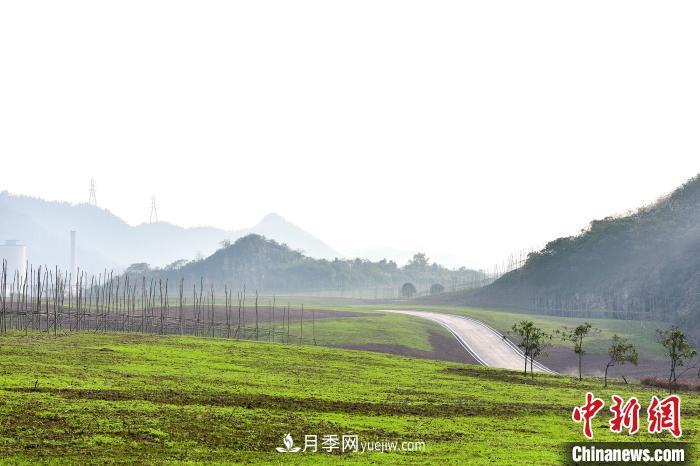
x: 267, y: 266
x: 646, y: 264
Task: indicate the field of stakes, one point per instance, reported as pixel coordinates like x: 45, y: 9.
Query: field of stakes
x: 153, y: 399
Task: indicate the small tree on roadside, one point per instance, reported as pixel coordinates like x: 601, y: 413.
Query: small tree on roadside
x: 523, y: 330
x: 621, y: 352
x: 408, y: 290
x: 539, y: 340
x: 678, y: 349
x: 533, y: 340
x: 576, y: 336
x: 436, y: 288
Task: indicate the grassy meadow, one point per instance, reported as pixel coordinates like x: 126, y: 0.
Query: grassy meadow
x: 130, y: 398
x: 374, y: 326
x: 640, y: 333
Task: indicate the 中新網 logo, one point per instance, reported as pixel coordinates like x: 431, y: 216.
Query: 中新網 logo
x: 661, y: 415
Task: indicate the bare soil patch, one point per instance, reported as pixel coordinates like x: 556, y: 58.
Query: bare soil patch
x: 565, y: 361
x: 265, y: 313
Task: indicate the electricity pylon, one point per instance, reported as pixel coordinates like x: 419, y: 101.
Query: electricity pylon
x: 93, y: 197
x: 154, y: 211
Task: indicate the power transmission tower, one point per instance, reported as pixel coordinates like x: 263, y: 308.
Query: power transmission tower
x: 93, y: 197
x: 154, y: 211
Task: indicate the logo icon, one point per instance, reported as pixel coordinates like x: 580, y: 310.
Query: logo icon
x: 288, y: 445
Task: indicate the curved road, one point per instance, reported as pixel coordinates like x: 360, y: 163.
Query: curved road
x: 485, y: 344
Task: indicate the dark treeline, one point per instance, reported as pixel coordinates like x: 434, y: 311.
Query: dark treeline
x: 53, y: 301
x: 275, y: 268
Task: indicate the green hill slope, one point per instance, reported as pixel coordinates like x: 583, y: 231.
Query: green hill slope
x: 266, y: 265
x: 646, y: 264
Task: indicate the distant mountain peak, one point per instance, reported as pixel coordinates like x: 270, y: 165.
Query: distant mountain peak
x: 273, y: 218
x: 276, y: 227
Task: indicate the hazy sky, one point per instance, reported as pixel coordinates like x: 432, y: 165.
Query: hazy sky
x: 468, y: 128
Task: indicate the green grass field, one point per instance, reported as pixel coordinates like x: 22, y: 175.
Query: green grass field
x: 374, y: 327
x: 641, y: 334
x: 382, y: 328
x: 147, y: 399
x: 413, y: 333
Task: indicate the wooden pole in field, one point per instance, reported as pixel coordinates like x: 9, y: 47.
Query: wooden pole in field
x: 227, y: 311
x: 143, y: 305
x: 272, y: 319
x: 256, y: 315
x: 38, y: 297
x: 238, y: 327
x: 301, y: 326
x: 243, y: 329
x: 3, y: 296
x: 180, y: 309
x: 212, y: 320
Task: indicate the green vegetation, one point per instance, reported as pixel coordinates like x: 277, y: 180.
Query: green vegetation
x: 640, y: 333
x: 621, y: 352
x: 532, y: 341
x: 373, y: 327
x: 678, y: 349
x: 384, y: 328
x: 576, y: 336
x: 261, y: 264
x: 154, y: 399
x: 642, y: 265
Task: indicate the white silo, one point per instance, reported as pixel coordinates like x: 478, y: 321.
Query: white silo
x: 16, y: 256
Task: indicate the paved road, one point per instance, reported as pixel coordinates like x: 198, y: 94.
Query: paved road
x: 484, y: 343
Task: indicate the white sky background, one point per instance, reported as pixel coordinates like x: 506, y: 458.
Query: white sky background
x: 468, y: 128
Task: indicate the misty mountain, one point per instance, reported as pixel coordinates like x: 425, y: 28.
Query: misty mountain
x: 107, y: 241
x: 646, y: 264
x: 276, y: 227
x: 268, y: 266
